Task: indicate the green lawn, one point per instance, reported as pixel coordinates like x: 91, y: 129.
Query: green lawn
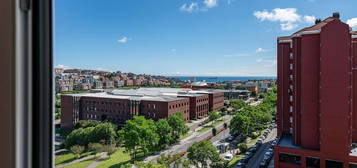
x: 208, y: 127
x: 82, y: 164
x: 184, y: 136
x: 235, y: 160
x: 116, y: 160
x: 68, y: 157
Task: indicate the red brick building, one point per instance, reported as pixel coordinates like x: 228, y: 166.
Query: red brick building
x: 215, y: 98
x: 118, y: 108
x: 199, y: 105
x: 316, y: 107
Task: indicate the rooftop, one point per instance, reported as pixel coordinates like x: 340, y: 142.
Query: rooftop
x: 138, y: 97
x: 287, y: 141
x: 149, y: 94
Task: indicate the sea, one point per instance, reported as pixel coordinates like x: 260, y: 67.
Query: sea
x: 222, y: 78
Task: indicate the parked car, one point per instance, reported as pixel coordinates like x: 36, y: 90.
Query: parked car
x: 228, y: 157
x: 245, y: 159
x: 230, y: 138
x: 248, y: 154
x: 240, y: 165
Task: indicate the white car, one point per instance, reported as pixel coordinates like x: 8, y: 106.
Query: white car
x: 228, y: 157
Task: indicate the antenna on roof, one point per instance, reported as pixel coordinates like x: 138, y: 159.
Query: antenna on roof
x: 317, y: 21
x: 336, y: 15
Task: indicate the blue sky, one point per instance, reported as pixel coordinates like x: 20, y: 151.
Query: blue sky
x: 183, y: 37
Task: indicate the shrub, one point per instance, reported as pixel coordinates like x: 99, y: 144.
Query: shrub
x: 242, y: 147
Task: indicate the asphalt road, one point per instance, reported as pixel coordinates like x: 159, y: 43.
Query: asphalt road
x: 254, y: 162
x: 183, y: 145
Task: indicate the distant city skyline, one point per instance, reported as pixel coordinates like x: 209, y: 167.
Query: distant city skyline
x: 183, y: 37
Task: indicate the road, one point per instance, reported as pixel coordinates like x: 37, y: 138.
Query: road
x: 254, y: 162
x: 184, y: 144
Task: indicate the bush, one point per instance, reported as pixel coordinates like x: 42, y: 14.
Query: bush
x: 95, y: 147
x: 242, y: 147
x: 77, y: 150
x: 214, y: 131
x: 254, y: 135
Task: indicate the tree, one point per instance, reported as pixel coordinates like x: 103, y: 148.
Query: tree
x: 253, y: 94
x: 201, y: 153
x: 177, y: 123
x: 237, y: 104
x: 95, y: 148
x: 139, y: 135
x: 225, y: 125
x: 213, y: 116
x: 164, y: 130
x: 214, y: 131
x: 85, y: 124
x: 79, y: 136
x: 240, y: 124
x: 104, y: 132
x: 77, y: 150
x: 242, y: 147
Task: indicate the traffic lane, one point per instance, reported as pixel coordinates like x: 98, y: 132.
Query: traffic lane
x: 259, y: 155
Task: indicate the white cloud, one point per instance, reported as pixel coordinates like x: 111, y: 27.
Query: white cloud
x: 288, y: 17
x: 353, y: 23
x: 189, y: 8
x: 62, y: 66
x: 259, y: 50
x: 210, y: 3
x: 309, y: 19
x: 123, y: 40
x: 173, y: 50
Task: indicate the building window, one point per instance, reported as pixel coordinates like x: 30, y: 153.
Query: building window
x: 291, y: 109
x: 291, y: 66
x: 291, y: 119
x: 291, y: 56
x: 291, y: 98
x: 291, y: 130
x: 312, y: 162
x: 353, y: 165
x: 288, y: 158
x: 333, y: 164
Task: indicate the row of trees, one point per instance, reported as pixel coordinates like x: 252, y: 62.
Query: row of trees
x: 138, y: 136
x: 252, y: 118
x: 200, y: 154
x: 142, y: 136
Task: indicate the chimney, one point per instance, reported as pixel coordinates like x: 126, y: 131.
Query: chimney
x: 317, y: 21
x: 336, y: 15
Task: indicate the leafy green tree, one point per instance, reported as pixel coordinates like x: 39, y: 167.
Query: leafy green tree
x: 253, y: 94
x: 139, y: 135
x: 85, y: 124
x: 77, y: 150
x: 79, y: 136
x: 213, y: 116
x: 240, y: 124
x: 237, y: 104
x: 164, y: 131
x: 214, y: 131
x: 201, y: 153
x: 104, y: 132
x: 242, y: 147
x: 177, y: 123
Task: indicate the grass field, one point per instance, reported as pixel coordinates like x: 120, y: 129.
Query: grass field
x: 82, y: 164
x: 235, y: 160
x: 208, y: 127
x: 68, y: 157
x: 116, y: 160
